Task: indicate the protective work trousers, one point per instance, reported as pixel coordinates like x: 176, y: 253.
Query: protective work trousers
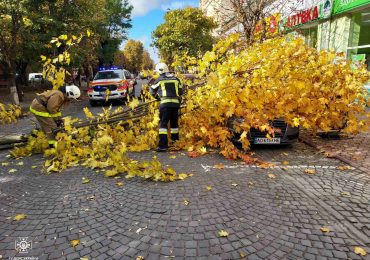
x: 47, y: 126
x: 171, y: 115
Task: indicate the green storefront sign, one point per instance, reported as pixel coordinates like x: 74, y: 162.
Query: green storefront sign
x: 341, y: 6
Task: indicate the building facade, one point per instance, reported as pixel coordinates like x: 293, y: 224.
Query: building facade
x: 339, y: 25
x: 221, y: 12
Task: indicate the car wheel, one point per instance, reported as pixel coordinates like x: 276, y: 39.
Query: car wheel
x: 93, y: 103
x: 123, y: 101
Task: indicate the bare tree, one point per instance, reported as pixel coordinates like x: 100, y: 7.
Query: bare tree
x: 243, y: 16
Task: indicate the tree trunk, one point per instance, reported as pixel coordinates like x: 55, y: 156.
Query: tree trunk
x: 89, y: 73
x: 23, y: 73
x: 14, y: 97
x: 11, y: 139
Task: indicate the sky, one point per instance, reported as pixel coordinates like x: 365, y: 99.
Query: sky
x: 147, y: 15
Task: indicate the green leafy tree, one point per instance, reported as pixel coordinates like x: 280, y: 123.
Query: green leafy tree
x: 53, y: 18
x: 13, y: 22
x: 114, y: 29
x: 185, y: 30
x: 27, y: 26
x: 133, y: 52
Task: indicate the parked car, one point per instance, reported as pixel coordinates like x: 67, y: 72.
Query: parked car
x: 284, y: 133
x: 109, y: 84
x: 35, y: 78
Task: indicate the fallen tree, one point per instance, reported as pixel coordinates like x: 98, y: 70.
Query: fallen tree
x: 279, y: 78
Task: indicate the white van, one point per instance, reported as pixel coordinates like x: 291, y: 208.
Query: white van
x: 35, y: 77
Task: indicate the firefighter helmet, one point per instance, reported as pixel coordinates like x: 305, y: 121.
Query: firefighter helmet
x: 73, y: 91
x: 161, y: 68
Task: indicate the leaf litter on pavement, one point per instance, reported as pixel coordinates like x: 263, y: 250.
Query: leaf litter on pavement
x: 74, y: 242
x: 360, y: 251
x: 325, y: 229
x: 310, y: 171
x: 20, y: 217
x: 223, y: 233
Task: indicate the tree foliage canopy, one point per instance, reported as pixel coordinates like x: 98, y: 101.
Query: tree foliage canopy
x: 133, y: 52
x: 185, y: 30
x: 148, y: 63
x: 27, y: 26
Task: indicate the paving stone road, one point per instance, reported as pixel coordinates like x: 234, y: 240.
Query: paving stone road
x: 276, y: 217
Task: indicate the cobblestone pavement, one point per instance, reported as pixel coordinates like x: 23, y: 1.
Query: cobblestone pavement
x: 266, y: 218
x: 354, y: 150
x: 274, y: 213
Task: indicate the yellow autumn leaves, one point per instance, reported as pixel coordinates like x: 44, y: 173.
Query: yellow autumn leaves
x: 104, y: 147
x: 54, y: 67
x: 9, y: 113
x: 281, y: 78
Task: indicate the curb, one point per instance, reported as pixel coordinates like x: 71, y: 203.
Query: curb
x: 335, y: 156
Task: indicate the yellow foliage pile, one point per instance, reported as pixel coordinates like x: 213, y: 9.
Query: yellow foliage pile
x: 105, y: 147
x: 279, y: 78
x: 9, y: 113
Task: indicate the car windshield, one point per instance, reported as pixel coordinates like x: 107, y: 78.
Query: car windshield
x: 107, y: 75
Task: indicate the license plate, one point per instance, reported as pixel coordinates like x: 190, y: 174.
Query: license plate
x: 260, y: 140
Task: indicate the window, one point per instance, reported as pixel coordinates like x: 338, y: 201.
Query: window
x: 108, y: 75
x: 359, y: 43
x: 128, y: 75
x: 309, y: 35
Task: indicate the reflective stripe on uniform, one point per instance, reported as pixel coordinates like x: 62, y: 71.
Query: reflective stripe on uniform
x: 162, y: 131
x: 170, y: 100
x: 45, y: 114
x: 163, y: 88
x: 174, y: 130
x: 155, y: 86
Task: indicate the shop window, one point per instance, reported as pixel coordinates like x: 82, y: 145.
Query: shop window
x: 359, y: 44
x: 309, y: 35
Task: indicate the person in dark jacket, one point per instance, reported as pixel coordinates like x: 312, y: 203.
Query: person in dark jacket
x: 168, y: 89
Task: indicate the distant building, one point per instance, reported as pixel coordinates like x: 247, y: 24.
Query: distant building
x: 222, y: 13
x: 340, y: 25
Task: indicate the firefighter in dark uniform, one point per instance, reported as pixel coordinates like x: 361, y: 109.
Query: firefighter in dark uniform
x: 168, y: 89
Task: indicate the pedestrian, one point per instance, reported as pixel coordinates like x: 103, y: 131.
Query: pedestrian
x: 47, y: 109
x: 168, y: 89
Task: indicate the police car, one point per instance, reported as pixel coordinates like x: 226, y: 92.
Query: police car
x: 113, y: 83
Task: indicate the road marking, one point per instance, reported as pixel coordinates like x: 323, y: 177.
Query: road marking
x: 207, y: 168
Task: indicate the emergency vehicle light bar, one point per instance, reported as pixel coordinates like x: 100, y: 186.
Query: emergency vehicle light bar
x: 110, y: 68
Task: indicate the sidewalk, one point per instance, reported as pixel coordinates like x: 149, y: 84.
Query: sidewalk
x: 29, y: 95
x: 354, y: 150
